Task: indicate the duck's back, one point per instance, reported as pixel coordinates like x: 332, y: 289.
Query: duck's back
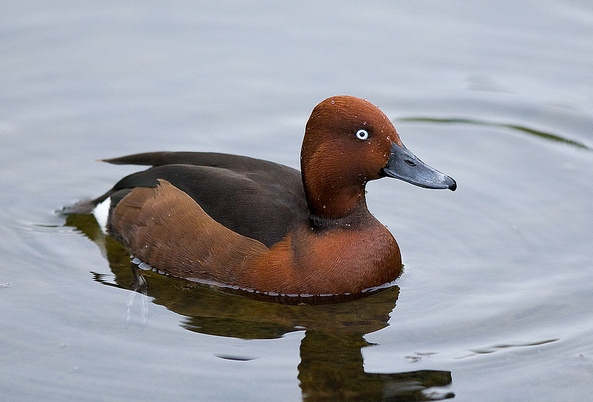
x: 255, y: 198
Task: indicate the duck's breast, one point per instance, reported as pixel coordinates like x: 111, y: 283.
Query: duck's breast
x: 334, y: 261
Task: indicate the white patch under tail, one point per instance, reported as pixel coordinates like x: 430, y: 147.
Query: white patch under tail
x: 101, y: 213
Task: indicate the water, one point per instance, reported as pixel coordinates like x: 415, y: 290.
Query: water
x: 495, y: 300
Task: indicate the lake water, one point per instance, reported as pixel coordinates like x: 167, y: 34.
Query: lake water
x: 495, y: 302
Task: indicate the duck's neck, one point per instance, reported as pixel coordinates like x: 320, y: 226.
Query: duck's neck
x: 332, y: 203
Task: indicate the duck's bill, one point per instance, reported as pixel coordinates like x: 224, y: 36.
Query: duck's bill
x: 406, y: 166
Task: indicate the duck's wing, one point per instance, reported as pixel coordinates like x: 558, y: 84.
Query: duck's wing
x: 228, y: 161
x: 167, y: 229
x: 258, y: 199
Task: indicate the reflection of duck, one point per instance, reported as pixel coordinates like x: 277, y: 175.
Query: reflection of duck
x: 262, y: 226
x: 331, y: 366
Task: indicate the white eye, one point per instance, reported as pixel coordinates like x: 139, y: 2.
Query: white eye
x: 362, y: 134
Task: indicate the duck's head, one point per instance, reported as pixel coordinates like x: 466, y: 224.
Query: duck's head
x: 348, y: 142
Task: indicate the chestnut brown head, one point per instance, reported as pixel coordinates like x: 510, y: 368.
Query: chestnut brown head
x: 348, y: 142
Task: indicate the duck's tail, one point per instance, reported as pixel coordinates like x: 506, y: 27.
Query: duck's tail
x: 84, y: 207
x: 81, y: 207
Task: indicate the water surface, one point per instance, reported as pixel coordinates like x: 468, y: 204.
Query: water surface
x: 495, y: 300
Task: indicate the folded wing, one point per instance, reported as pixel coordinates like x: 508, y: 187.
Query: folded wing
x: 256, y: 198
x: 167, y: 229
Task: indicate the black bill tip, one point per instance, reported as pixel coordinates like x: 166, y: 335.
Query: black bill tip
x: 453, y: 184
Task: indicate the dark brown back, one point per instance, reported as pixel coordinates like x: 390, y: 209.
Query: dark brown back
x: 255, y: 198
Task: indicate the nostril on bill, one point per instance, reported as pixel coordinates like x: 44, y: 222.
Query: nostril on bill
x: 410, y: 163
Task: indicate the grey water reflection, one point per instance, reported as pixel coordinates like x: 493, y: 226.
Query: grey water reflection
x: 331, y: 363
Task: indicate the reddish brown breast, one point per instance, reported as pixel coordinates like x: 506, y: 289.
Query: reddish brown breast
x: 332, y: 261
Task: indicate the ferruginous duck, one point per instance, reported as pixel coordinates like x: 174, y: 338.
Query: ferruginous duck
x: 265, y: 227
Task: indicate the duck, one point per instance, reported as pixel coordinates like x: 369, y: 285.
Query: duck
x: 259, y: 226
